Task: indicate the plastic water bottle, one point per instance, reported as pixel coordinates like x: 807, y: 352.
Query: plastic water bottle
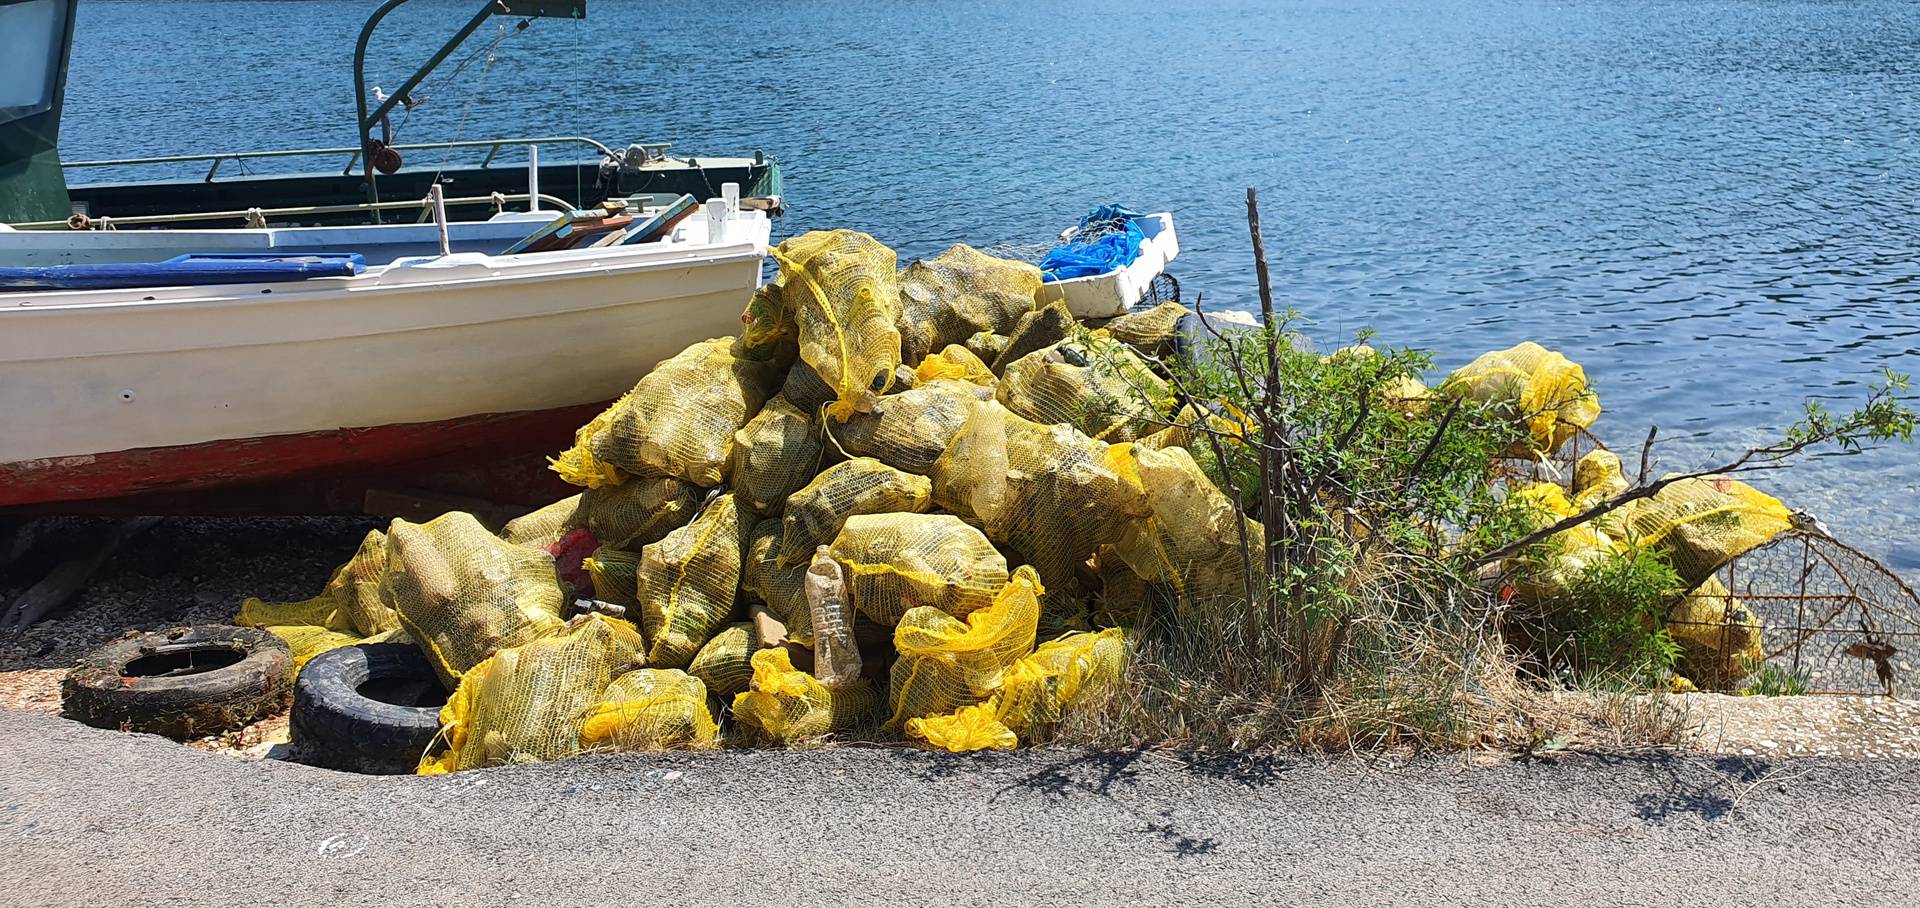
x: 836, y: 657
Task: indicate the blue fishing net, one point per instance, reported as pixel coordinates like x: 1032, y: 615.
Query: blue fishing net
x: 1107, y: 239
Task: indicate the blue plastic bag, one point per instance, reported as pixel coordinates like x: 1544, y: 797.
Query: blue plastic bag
x: 1106, y: 240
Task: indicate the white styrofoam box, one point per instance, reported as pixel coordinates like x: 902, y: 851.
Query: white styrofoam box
x: 1113, y: 293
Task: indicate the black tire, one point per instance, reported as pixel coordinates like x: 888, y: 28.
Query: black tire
x: 336, y: 726
x: 184, y: 683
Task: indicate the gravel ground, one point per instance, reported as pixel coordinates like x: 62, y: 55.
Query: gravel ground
x: 97, y: 818
x: 182, y: 571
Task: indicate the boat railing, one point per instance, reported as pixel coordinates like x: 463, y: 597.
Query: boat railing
x: 257, y: 217
x: 493, y: 146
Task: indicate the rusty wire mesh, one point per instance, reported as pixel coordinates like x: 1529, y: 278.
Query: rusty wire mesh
x: 1831, y: 616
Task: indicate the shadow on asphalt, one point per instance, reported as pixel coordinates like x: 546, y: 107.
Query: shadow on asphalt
x: 1106, y: 775
x: 1710, y: 799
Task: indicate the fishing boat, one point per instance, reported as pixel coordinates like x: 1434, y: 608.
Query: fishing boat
x: 294, y: 343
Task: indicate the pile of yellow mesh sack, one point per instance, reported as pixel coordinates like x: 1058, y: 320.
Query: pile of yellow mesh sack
x: 905, y: 504
x: 876, y: 512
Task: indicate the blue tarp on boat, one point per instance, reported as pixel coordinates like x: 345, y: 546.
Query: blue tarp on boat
x: 186, y: 270
x: 1107, y: 239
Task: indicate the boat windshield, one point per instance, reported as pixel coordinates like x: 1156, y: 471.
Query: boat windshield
x: 32, y: 33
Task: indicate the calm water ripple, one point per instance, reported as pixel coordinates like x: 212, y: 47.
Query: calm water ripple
x: 1708, y: 204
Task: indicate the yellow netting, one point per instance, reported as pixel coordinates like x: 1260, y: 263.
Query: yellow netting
x: 946, y: 663
x: 1702, y: 523
x: 527, y: 703
x: 955, y: 363
x: 1149, y: 330
x: 463, y: 593
x: 1092, y: 383
x: 678, y: 421
x: 806, y: 390
x: 547, y: 525
x: 1038, y: 329
x: 908, y: 430
x: 1596, y: 478
x: 1720, y: 640
x: 616, y: 577
x: 352, y: 602
x: 987, y: 346
x: 1191, y: 541
x: 687, y: 583
x: 862, y: 485
x: 1125, y: 598
x: 1550, y: 571
x: 650, y: 709
x: 774, y: 455
x: 784, y: 704
x: 840, y: 290
x: 782, y: 588
x: 767, y: 329
x: 725, y: 663
x: 962, y: 291
x: 1061, y: 676
x: 1048, y: 494
x: 895, y: 562
x: 308, y: 641
x: 969, y: 728
x: 625, y: 515
x: 1537, y: 387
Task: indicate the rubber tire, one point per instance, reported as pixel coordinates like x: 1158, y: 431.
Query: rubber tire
x: 335, y: 726
x: 99, y: 693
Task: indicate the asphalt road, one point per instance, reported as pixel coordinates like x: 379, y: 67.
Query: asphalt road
x: 94, y: 818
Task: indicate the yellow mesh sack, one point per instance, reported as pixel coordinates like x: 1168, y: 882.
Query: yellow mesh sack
x: 784, y: 704
x: 908, y: 430
x: 641, y: 510
x: 650, y: 709
x: 896, y: 562
x: 844, y: 296
x: 1095, y: 384
x: 1596, y: 478
x: 959, y: 293
x: 967, y: 729
x: 862, y: 485
x: 774, y: 455
x: 616, y: 577
x: 1550, y: 571
x: 767, y: 327
x: 678, y: 421
x: 322, y: 611
x: 987, y: 346
x: 1540, y: 389
x: 1703, y: 523
x: 783, y: 588
x: 687, y: 583
x: 526, y: 703
x: 1048, y: 494
x: 352, y: 602
x: 625, y: 515
x: 1036, y: 330
x: 1192, y: 540
x: 463, y: 593
x: 946, y: 663
x: 546, y: 526
x: 806, y: 390
x: 954, y: 363
x: 725, y: 664
x: 1719, y: 638
x: 1148, y: 330
x: 1061, y: 676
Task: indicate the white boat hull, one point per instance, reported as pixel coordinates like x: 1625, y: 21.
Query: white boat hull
x: 88, y: 372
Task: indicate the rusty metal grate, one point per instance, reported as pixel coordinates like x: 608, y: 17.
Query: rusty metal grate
x: 1831, y: 615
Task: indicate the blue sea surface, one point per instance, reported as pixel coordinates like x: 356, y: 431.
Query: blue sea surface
x: 1710, y: 205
